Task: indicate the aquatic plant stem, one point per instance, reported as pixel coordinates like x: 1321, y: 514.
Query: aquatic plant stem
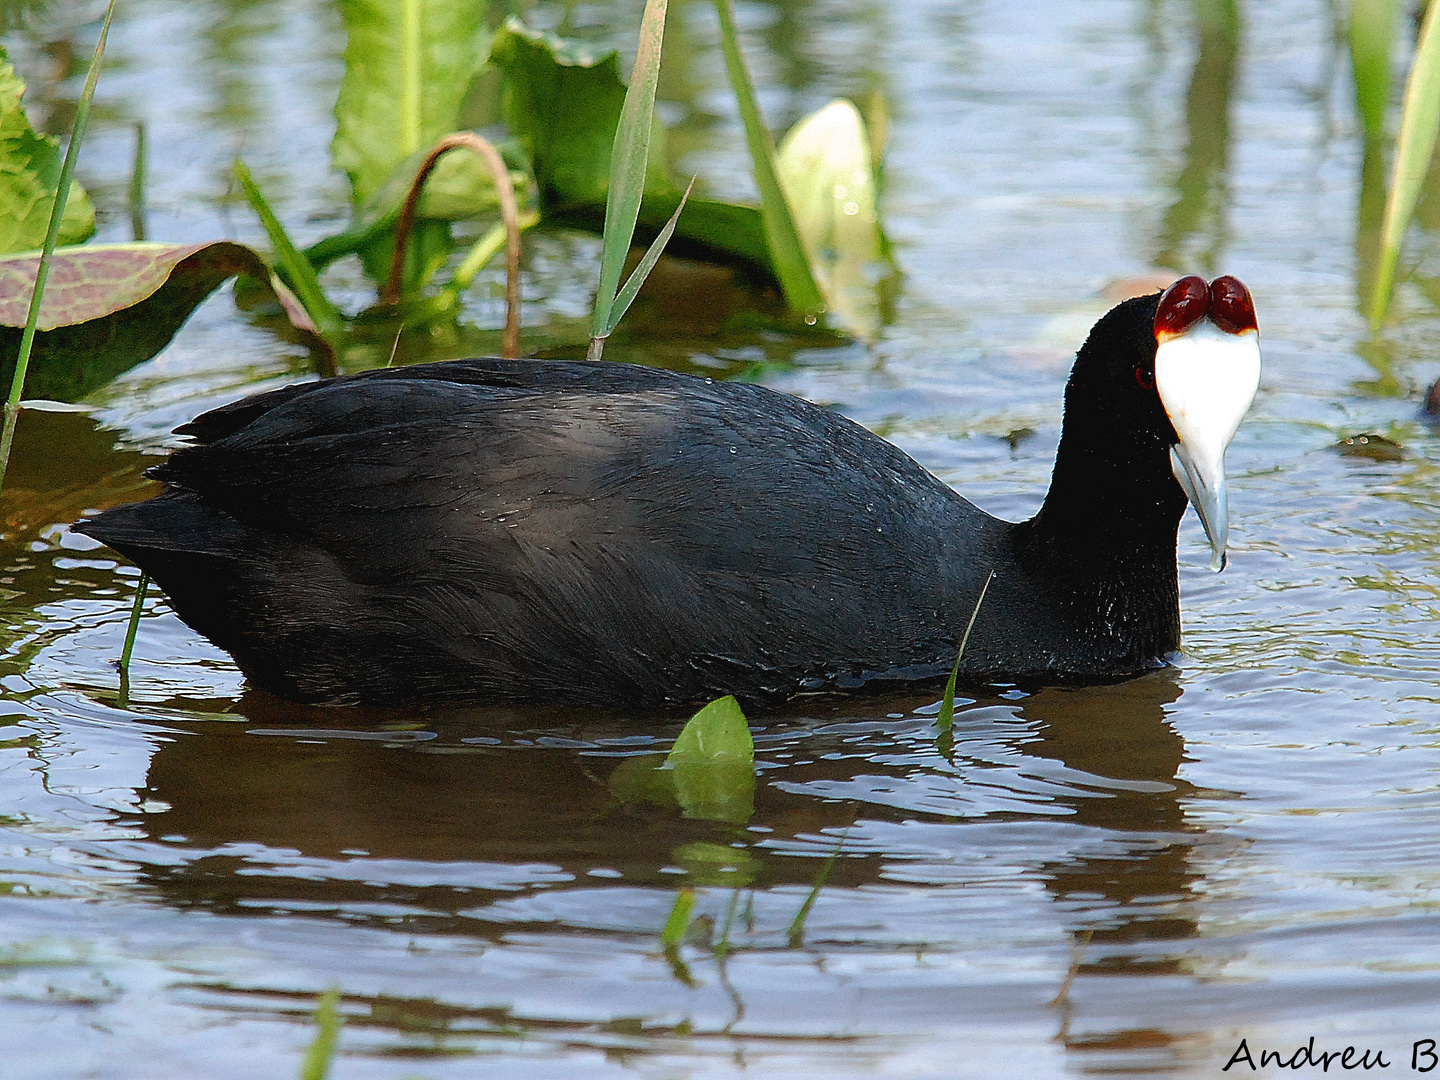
x: 134, y: 624
x: 795, y: 936
x: 787, y: 252
x: 509, y: 212
x: 1419, y: 127
x: 52, y: 234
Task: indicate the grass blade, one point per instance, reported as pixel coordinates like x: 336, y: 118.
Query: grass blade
x: 626, y: 296
x: 787, y: 253
x: 629, y: 159
x: 679, y: 921
x: 297, y: 268
x: 316, y: 1064
x: 1372, y: 31
x: 42, y: 272
x: 1419, y: 125
x: 947, y: 703
x: 131, y: 628
x: 795, y: 936
x: 135, y: 196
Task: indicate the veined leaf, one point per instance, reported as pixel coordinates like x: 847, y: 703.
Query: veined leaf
x: 408, y: 67
x: 29, y: 175
x: 1419, y: 125
x: 713, y: 764
x: 108, y: 307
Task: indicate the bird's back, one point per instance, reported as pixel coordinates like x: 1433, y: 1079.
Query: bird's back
x: 533, y: 530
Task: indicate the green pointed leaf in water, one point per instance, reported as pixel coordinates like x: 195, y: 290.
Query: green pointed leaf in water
x: 1372, y: 33
x: 318, y: 1057
x: 1419, y: 126
x: 409, y: 65
x: 629, y: 161
x: 713, y: 764
x: 947, y: 703
x: 673, y: 933
x: 108, y: 307
x: 787, y: 253
x: 827, y: 171
x: 29, y: 175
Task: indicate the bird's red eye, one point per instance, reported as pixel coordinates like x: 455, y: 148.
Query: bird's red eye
x: 1144, y: 379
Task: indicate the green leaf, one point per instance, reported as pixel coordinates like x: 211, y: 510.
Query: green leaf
x: 787, y: 253
x: 629, y: 162
x: 29, y: 176
x: 1372, y: 33
x: 673, y: 933
x: 298, y: 270
x: 947, y: 703
x: 827, y: 170
x: 562, y: 101
x: 108, y: 307
x: 409, y: 65
x: 627, y: 295
x: 1419, y: 125
x: 318, y: 1057
x: 713, y: 764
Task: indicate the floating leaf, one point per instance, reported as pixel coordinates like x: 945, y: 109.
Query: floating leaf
x: 29, y: 176
x: 826, y: 169
x: 713, y: 764
x: 108, y: 307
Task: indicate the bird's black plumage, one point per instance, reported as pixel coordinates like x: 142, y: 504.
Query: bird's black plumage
x: 511, y: 530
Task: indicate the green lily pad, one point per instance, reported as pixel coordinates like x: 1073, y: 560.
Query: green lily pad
x: 108, y: 307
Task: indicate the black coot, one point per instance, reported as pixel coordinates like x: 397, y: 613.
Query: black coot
x: 523, y: 530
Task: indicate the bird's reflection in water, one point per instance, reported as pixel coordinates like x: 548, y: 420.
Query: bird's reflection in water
x: 429, y: 816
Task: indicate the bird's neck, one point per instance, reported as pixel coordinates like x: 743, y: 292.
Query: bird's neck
x: 1104, y: 539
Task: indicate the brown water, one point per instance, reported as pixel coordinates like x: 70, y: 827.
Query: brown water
x: 1241, y: 847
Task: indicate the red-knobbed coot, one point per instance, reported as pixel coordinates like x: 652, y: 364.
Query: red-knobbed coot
x: 528, y: 530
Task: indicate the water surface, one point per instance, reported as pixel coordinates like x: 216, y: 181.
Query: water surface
x: 1122, y: 879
